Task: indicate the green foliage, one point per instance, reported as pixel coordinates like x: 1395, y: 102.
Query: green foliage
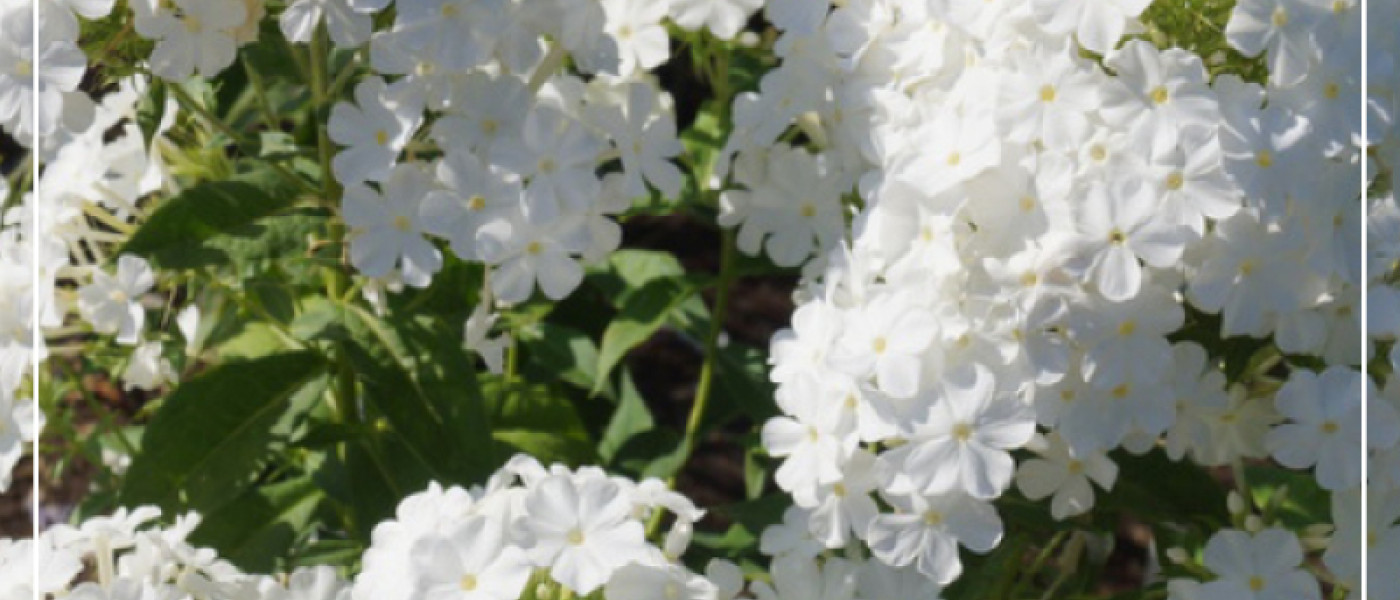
x: 213, y: 433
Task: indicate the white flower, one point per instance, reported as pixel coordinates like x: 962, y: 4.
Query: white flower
x: 475, y: 194
x: 1262, y: 566
x: 645, y: 141
x: 526, y: 255
x: 811, y: 446
x: 846, y: 506
x: 1252, y: 272
x: 456, y: 34
x: 582, y: 530
x: 192, y: 37
x: 346, y: 26
x: 635, y: 26
x: 1118, y: 223
x: 724, y: 18
x: 886, y: 338
x: 1048, y: 99
x: 112, y: 304
x: 1280, y: 28
x: 147, y: 369
x: 879, y: 581
x: 651, y: 582
x: 1098, y: 24
x: 63, y: 67
x: 1164, y: 91
x: 386, y: 230
x: 801, y: 578
x: 1324, y: 428
x: 963, y: 445
x: 794, y: 212
x: 1064, y: 475
x: 558, y: 157
x: 927, y: 530
x: 797, y: 16
x: 376, y: 128
x: 472, y: 561
x: 491, y: 349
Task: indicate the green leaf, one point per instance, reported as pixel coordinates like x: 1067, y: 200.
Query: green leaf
x: 538, y: 420
x: 640, y: 316
x: 631, y: 418
x: 174, y: 236
x: 560, y: 352
x: 419, y: 377
x: 208, y: 439
x: 629, y: 270
x: 256, y: 529
x: 150, y: 111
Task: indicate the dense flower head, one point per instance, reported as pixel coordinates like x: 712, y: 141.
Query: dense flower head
x: 1051, y: 223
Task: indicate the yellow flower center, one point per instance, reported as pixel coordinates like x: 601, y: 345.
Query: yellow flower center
x: 933, y: 518
x: 808, y: 210
x: 534, y: 248
x: 1330, y: 427
x: 468, y: 583
x: 1117, y: 236
x: 476, y: 203
x: 954, y: 159
x: 879, y: 345
x: 1256, y: 584
x: 575, y: 537
x: 1127, y: 328
x: 24, y: 68
x: 1027, y: 204
x: 1280, y: 17
x: 1159, y: 94
x: 1175, y: 181
x: 1247, y: 268
x: 1122, y: 391
x: 403, y: 224
x: 547, y: 166
x: 1029, y: 279
x: 1047, y: 93
x: 192, y: 23
x: 962, y: 431
x: 119, y: 296
x: 1332, y: 90
x: 1098, y: 153
x: 381, y: 137
x: 1264, y: 159
x: 839, y: 489
x: 1075, y: 467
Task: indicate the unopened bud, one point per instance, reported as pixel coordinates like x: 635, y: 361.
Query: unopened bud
x: 1236, y: 503
x: 678, y: 539
x: 1253, y: 524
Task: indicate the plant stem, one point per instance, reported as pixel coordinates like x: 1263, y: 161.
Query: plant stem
x: 707, y: 369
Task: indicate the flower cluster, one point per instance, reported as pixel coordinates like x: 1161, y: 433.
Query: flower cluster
x: 123, y: 556
x: 538, y: 526
x: 61, y: 106
x: 521, y: 162
x: 93, y: 185
x: 1382, y: 532
x: 17, y: 351
x: 1039, y: 234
